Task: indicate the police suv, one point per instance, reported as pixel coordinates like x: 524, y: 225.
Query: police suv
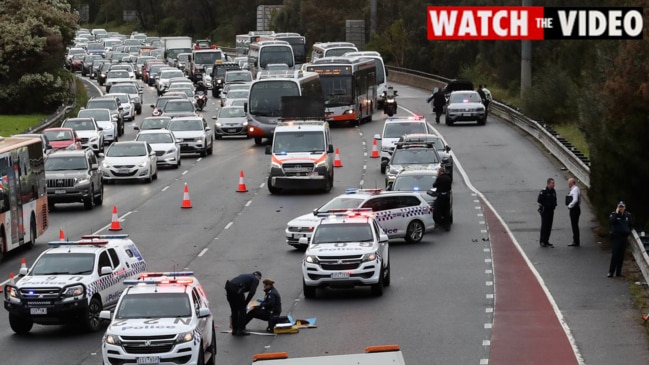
x: 72, y: 282
x: 393, y: 129
x: 161, y: 318
x: 400, y: 214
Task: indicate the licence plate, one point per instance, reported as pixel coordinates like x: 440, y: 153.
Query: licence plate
x: 123, y: 171
x: 232, y: 130
x: 148, y: 360
x: 297, y: 235
x: 340, y: 275
x: 38, y: 310
x: 184, y: 144
x: 59, y: 191
x: 466, y: 114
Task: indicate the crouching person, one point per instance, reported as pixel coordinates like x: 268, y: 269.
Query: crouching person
x: 269, y: 309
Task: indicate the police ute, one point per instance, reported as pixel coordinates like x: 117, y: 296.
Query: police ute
x: 161, y: 318
x: 72, y: 282
x: 374, y: 355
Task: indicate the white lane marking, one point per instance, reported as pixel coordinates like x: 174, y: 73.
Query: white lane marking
x: 489, y: 310
x: 202, y: 252
x: 489, y: 296
x: 484, y: 361
x: 487, y: 325
x: 488, y: 272
x: 248, y: 203
x: 228, y: 225
x: 486, y: 343
x: 489, y: 283
x: 165, y: 188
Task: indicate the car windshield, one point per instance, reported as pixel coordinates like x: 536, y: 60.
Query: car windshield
x: 126, y: 150
x: 58, y: 135
x: 183, y: 57
x: 54, y: 163
x: 64, y: 264
x: 238, y: 94
x: 154, y: 138
x: 238, y: 76
x: 342, y: 232
x: 154, y: 305
x: 167, y: 74
x: 231, y: 113
x: 464, y: 98
x: 414, y: 182
x: 117, y: 74
x: 287, y: 142
x: 155, y: 123
x: 396, y: 130
x: 99, y: 115
x: 342, y: 202
x: 207, y: 57
x: 103, y: 104
x: 414, y: 156
x: 179, y: 106
x: 186, y: 125
x: 124, y: 88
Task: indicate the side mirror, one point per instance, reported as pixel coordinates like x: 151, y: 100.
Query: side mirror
x: 315, y: 212
x: 377, y: 137
x: 203, y: 313
x: 245, y: 107
x: 207, y: 129
x: 100, y: 128
x: 447, y: 149
x: 214, y: 117
x: 153, y: 106
x: 383, y: 237
x: 432, y: 192
x: 268, y: 150
x: 104, y: 315
x: 136, y: 128
x: 105, y: 270
x: 330, y: 149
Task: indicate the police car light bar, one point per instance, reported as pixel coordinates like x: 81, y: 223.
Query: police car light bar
x: 183, y: 281
x: 105, y: 236
x: 76, y: 243
x: 370, y: 191
x: 167, y: 274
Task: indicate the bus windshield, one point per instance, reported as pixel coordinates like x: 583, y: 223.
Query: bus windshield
x: 206, y: 57
x: 266, y: 97
x: 339, y: 51
x: 337, y: 90
x: 280, y: 54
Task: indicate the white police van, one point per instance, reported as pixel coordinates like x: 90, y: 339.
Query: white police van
x: 72, y: 282
x: 161, y: 318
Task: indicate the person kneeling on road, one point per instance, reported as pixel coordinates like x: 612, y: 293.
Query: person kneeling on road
x: 269, y: 309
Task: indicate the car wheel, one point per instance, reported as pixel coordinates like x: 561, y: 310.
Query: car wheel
x: 329, y: 184
x: 89, y: 201
x: 258, y: 141
x: 155, y: 174
x: 201, y: 354
x: 92, y: 321
x: 149, y: 178
x: 377, y: 289
x: 211, y: 149
x: 309, y: 291
x: 217, y: 136
x: 99, y: 199
x: 415, y: 231
x: 20, y: 325
x: 212, y: 349
x: 271, y: 188
x: 386, y: 279
x: 204, y: 152
x: 482, y: 121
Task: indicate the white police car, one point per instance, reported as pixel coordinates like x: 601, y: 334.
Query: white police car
x: 393, y: 129
x: 161, y: 318
x: 72, y: 282
x: 400, y: 214
x: 347, y: 249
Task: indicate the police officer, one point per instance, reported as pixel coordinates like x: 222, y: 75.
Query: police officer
x: 234, y: 290
x: 439, y: 101
x: 547, y: 202
x: 441, y: 206
x: 269, y: 309
x: 621, y: 226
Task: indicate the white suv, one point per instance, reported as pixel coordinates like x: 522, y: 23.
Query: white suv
x: 347, y: 249
x: 161, y: 318
x: 393, y: 129
x: 72, y: 282
x: 400, y: 214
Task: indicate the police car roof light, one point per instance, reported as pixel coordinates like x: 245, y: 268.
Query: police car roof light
x: 416, y: 117
x: 369, y: 191
x: 382, y: 348
x: 76, y: 243
x: 183, y: 281
x: 105, y: 236
x: 270, y: 356
x: 159, y: 274
x: 92, y: 242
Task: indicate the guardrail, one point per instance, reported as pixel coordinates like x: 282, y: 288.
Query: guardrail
x: 557, y: 146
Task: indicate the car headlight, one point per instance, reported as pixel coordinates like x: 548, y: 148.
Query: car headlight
x: 108, y: 127
x: 311, y: 259
x: 142, y: 164
x: 349, y: 111
x: 217, y: 124
x: 369, y: 257
x: 83, y: 181
x: 198, y: 139
x: 219, y: 81
x: 245, y: 123
x: 74, y: 291
x: 112, y: 339
x: 94, y: 139
x: 394, y: 170
x: 172, y: 150
x: 185, y: 337
x: 106, y: 165
x: 11, y: 292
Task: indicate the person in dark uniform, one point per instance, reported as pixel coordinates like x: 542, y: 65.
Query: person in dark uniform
x: 442, y: 204
x: 621, y: 226
x: 269, y: 309
x: 439, y: 101
x: 547, y: 202
x: 234, y: 290
x: 573, y: 201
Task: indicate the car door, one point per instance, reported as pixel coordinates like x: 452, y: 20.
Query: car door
x: 383, y: 245
x: 387, y: 214
x: 104, y: 286
x: 203, y: 325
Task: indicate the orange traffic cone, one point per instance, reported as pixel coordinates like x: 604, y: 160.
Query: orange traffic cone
x: 114, y: 223
x: 11, y: 279
x: 61, y: 235
x: 375, y: 150
x: 242, y: 186
x: 23, y: 263
x: 337, y: 162
x: 186, y: 202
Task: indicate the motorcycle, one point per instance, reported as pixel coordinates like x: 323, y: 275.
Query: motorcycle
x: 201, y: 100
x: 389, y: 102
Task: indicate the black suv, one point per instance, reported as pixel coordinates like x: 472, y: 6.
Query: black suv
x: 218, y: 76
x: 73, y: 176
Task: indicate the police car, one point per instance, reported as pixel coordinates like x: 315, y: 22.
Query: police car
x: 161, y: 318
x: 412, y: 155
x: 393, y: 129
x: 348, y: 248
x: 72, y: 282
x: 400, y: 214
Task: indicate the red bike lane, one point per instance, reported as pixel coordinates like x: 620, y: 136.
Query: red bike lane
x: 526, y: 328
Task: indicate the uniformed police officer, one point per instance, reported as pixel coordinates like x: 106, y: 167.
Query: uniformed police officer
x: 621, y: 226
x: 547, y: 203
x: 234, y: 290
x: 442, y: 204
x: 270, y: 308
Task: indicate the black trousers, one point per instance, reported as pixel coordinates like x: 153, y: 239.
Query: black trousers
x: 441, y: 208
x: 438, y: 113
x: 575, y: 212
x: 238, y: 306
x: 547, y: 217
x: 264, y: 315
x: 619, y: 243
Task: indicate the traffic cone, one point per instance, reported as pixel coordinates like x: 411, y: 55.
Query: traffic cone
x: 114, y: 223
x: 186, y: 202
x: 242, y: 186
x: 23, y: 263
x: 337, y: 162
x: 11, y: 279
x: 61, y: 235
x: 375, y: 150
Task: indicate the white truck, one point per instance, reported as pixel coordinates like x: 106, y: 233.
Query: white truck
x: 374, y: 355
x: 173, y: 46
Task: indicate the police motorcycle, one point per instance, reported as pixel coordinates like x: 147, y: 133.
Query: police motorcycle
x: 389, y: 101
x: 201, y: 100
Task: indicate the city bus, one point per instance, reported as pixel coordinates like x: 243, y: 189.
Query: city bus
x: 297, y: 42
x: 331, y: 49
x: 381, y: 71
x: 265, y: 99
x: 23, y: 192
x: 243, y: 41
x: 263, y: 53
x: 348, y: 86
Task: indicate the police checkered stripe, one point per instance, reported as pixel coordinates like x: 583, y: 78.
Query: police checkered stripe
x: 115, y: 278
x: 387, y: 215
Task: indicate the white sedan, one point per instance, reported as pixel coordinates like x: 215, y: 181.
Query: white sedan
x: 130, y: 160
x: 165, y: 145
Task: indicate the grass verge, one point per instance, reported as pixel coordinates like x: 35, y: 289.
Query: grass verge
x: 15, y: 124
x: 574, y: 136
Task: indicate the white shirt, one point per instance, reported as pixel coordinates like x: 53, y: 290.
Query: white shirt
x: 575, y: 193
